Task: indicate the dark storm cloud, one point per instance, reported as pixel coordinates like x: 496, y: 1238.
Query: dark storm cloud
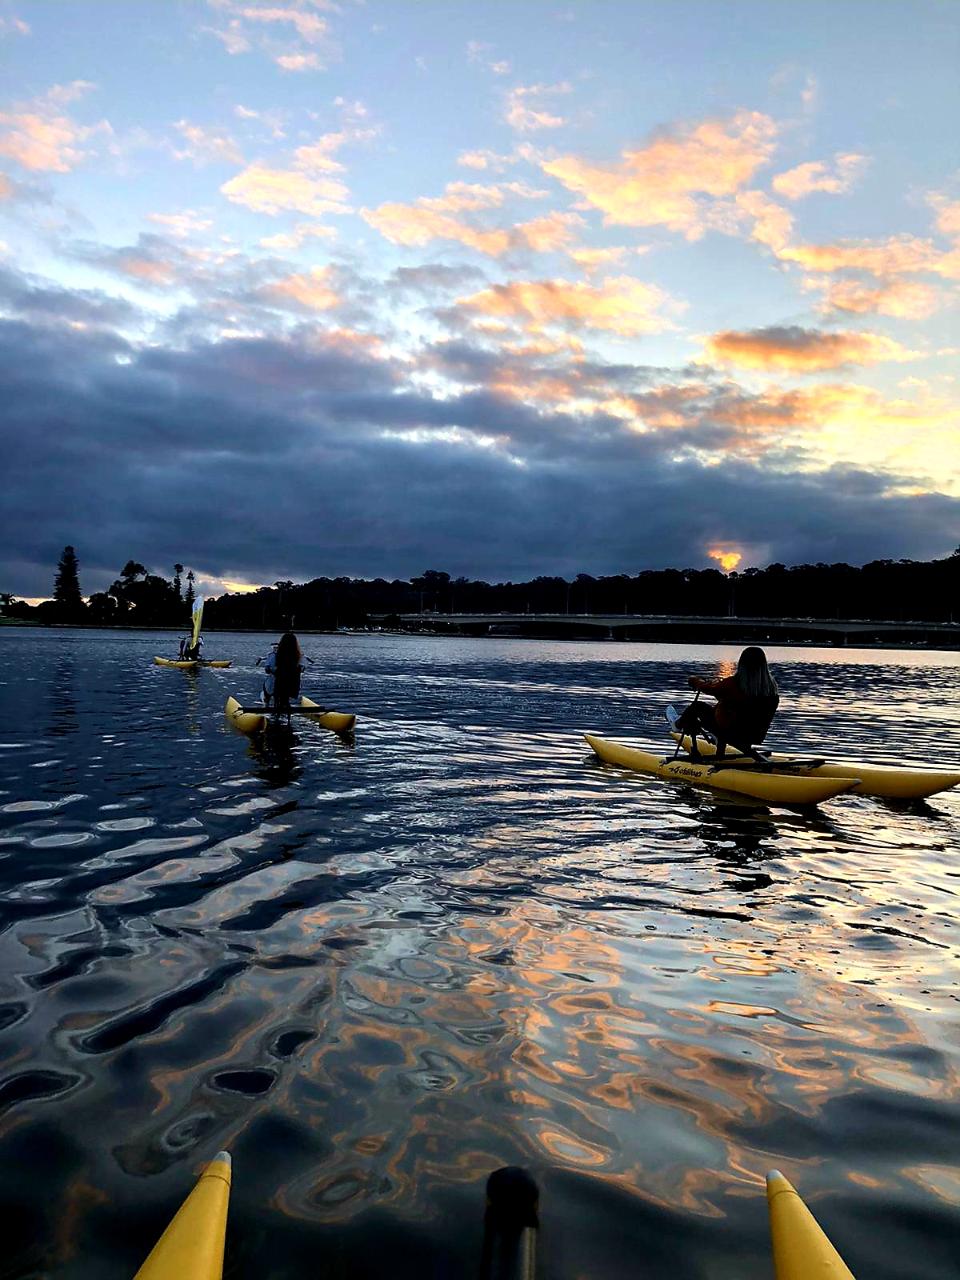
x: 21, y: 295
x: 312, y: 453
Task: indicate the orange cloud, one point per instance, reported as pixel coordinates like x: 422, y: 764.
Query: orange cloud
x: 948, y: 215
x: 312, y: 289
x: 728, y: 418
x: 413, y: 225
x: 796, y: 350
x: 594, y: 259
x: 772, y: 224
x: 620, y: 305
x: 433, y: 218
x: 552, y: 231
x: 525, y: 110
x: 664, y: 183
x: 904, y: 299
x: 41, y: 138
x: 276, y: 191
x: 894, y: 256
x: 6, y: 187
x: 816, y: 176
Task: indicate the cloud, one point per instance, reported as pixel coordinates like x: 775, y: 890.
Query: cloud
x: 182, y: 225
x: 432, y: 279
x: 896, y: 255
x: 140, y: 429
x: 275, y: 191
x: 41, y: 138
x: 205, y: 146
x: 478, y: 52
x: 903, y: 299
x: 14, y: 26
x: 307, y: 187
x: 797, y: 350
x: 672, y: 180
x: 44, y: 304
x: 526, y: 111
x: 312, y: 290
x: 298, y: 61
x: 552, y: 231
x: 948, y: 214
x: 619, y: 305
x: 419, y: 224
x: 805, y: 179
x: 295, y: 239
x: 835, y: 418
x: 153, y: 261
x: 293, y: 35
x: 436, y: 218
x: 485, y: 159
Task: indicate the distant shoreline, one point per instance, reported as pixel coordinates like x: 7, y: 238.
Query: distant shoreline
x: 823, y: 642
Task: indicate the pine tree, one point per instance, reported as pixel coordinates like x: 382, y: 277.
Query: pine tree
x: 177, y: 588
x: 191, y: 594
x: 66, y: 585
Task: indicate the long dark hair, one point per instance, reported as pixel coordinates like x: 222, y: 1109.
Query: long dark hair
x: 753, y: 674
x: 288, y: 656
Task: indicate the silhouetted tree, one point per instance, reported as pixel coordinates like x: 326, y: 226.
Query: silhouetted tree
x: 191, y: 594
x: 66, y: 586
x: 177, y: 590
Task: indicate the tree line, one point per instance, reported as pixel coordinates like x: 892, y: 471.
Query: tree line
x: 897, y: 590
x: 135, y: 598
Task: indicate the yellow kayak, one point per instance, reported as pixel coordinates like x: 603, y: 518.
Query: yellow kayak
x: 886, y: 780
x: 773, y: 787
x: 256, y: 721
x: 191, y: 1248
x: 801, y: 1251
x: 189, y: 664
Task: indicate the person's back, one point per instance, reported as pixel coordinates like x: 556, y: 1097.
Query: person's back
x: 746, y: 704
x: 287, y: 664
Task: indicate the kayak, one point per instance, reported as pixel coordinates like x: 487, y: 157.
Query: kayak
x: 191, y: 1248
x: 773, y: 787
x: 801, y: 1250
x: 889, y: 781
x: 190, y: 664
x: 256, y: 721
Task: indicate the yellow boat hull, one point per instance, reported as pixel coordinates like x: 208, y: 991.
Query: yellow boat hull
x: 189, y: 664
x: 191, y: 1248
x: 772, y: 788
x: 251, y: 722
x: 889, y: 781
x: 801, y: 1250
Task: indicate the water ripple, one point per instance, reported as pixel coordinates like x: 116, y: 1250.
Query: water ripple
x: 375, y: 970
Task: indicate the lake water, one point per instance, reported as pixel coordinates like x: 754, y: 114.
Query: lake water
x: 375, y: 971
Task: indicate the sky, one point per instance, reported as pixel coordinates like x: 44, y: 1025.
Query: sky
x: 297, y: 288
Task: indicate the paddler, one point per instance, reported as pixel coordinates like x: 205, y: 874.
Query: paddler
x: 269, y: 669
x: 287, y: 667
x: 746, y: 704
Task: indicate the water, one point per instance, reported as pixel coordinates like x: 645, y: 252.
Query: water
x: 376, y: 971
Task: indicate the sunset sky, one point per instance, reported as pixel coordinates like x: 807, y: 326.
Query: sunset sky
x: 307, y: 288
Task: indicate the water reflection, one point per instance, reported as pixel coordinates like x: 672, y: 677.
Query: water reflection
x: 377, y: 971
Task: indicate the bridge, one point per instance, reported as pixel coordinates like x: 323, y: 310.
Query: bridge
x: 683, y: 629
